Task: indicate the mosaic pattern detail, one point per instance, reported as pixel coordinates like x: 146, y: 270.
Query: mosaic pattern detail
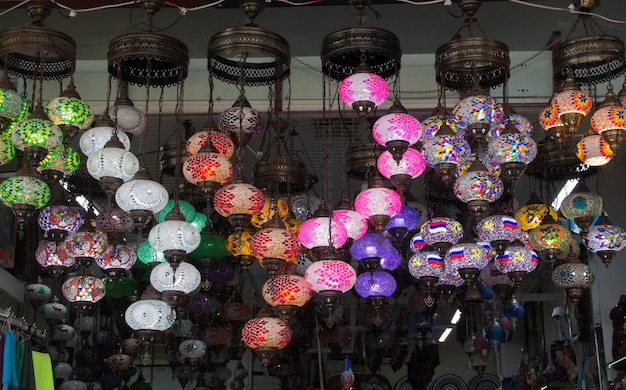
x: 266, y: 332
x: 192, y: 349
x: 412, y: 164
x: 417, y: 243
x: 450, y: 278
x: 38, y: 292
x: 10, y: 104
x: 581, y: 204
x: 519, y: 121
x: 478, y: 185
x: 268, y: 211
x: 378, y: 201
x: 60, y: 217
x: 517, y: 258
x: 217, y: 335
x: 203, y: 167
x: 150, y: 314
x: 573, y: 275
x: 187, y: 278
x: 7, y: 150
x: 316, y: 232
x: 531, y: 215
x: 129, y: 119
x: 478, y: 109
x: 549, y: 118
x: 355, y: 223
x: 85, y: 244
x: 53, y: 311
x: 234, y: 121
x: 498, y: 227
x: 220, y: 141
x: 372, y: 245
x: 83, y: 289
x: 432, y: 124
x: 577, y: 101
x: 491, y: 276
x: 377, y: 283
x: 426, y: 263
x: 397, y: 127
x: 49, y: 254
x: 441, y: 230
x: 94, y: 139
x: 62, y: 159
x: 117, y: 256
x: 24, y: 190
x: 275, y: 243
x: 606, y: 238
x: 330, y: 275
x: 465, y: 255
x: 594, y: 151
x: 189, y: 212
x: 290, y: 290
x: 174, y: 235
x: 363, y: 87
x: 141, y: 194
x: 238, y: 243
x: 609, y: 118
x: 445, y: 149
x: 550, y: 236
x: 513, y: 147
x: 238, y: 198
x: 408, y: 218
x: 112, y: 162
x: 36, y: 132
x: 69, y: 111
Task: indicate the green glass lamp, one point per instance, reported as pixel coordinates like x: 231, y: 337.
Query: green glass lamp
x: 211, y: 246
x: 59, y: 162
x: 24, y: 193
x: 189, y: 212
x: 120, y: 288
x: 147, y: 254
x: 11, y: 103
x: 582, y: 206
x: 36, y: 136
x: 7, y: 150
x: 69, y: 112
x: 199, y: 221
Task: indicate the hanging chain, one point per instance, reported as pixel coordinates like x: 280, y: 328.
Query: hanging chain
x: 144, y: 135
x: 179, y: 131
x: 211, y: 103
x: 242, y: 81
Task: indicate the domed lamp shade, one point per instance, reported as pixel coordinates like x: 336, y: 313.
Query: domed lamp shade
x: 116, y: 260
x: 192, y: 350
x: 112, y: 166
x: 417, y: 243
x: 59, y: 162
x: 211, y: 247
x: 467, y: 258
x: 53, y: 258
x: 512, y: 150
x: 593, y: 150
x: 150, y: 315
x: 355, y: 223
x: 70, y: 113
x: 146, y: 254
x: 427, y: 267
x: 11, y: 103
x: 330, y: 278
x: 316, y: 233
x: 85, y: 246
x: 477, y: 188
x: 448, y: 283
x: 266, y: 335
x: 572, y: 105
x: 574, y: 278
x: 550, y: 239
x: 478, y: 114
x: 532, y: 214
x: 406, y: 220
x: 397, y: 131
x: 610, y: 120
x: 175, y: 238
x: 271, y: 206
x: 238, y: 244
x: 363, y: 90
x: 208, y: 171
x: 498, y: 230
x: 59, y: 220
x: 582, y: 206
x: 285, y: 293
x: 371, y: 248
x: 7, y: 150
x: 517, y: 261
x: 444, y: 152
x: 605, y: 239
x: 274, y: 245
x: 408, y: 167
x: 497, y: 280
x: 241, y: 122
x: 53, y: 312
x: 220, y: 141
x: 186, y: 208
x: 37, y: 293
x: 238, y: 201
x: 141, y: 197
x: 83, y: 291
x: 441, y: 233
x: 378, y: 204
x: 129, y: 119
x: 549, y: 120
x: 36, y: 137
x: 175, y: 284
x: 24, y: 194
x: 433, y: 124
x: 520, y: 122
x: 375, y: 284
x: 95, y: 138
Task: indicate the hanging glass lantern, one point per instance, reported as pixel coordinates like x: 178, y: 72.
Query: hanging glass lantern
x: 83, y: 291
x: 53, y: 258
x: 211, y: 247
x: 266, y: 335
x: 593, y: 150
x: 208, y: 171
x: 605, y: 239
x: 174, y: 284
x: 498, y: 230
x: 516, y: 262
x: 238, y: 201
x: 128, y: 118
x: 513, y: 151
x: 572, y: 105
x: 378, y: 204
x: 59, y: 162
x: 417, y: 243
x: 582, y: 206
x: 371, y: 248
x: 238, y: 244
x: 241, y: 121
x: 85, y: 246
x: 355, y: 223
x: 11, y: 103
x: 24, y: 193
x: 59, y: 220
x: 285, y: 293
x: 146, y: 254
x: 36, y: 135
x: 477, y: 188
x: 150, y: 315
x: 189, y: 212
x: 532, y: 214
x: 552, y: 124
x: 574, y: 278
x: 444, y: 152
x: 609, y: 120
x: 316, y: 233
x: 273, y: 245
x: 521, y: 123
x: 112, y: 166
x: 405, y: 221
x: 403, y: 170
x: 375, y: 284
x: 467, y: 258
x: 397, y: 130
x: 69, y: 112
x: 220, y: 141
x: 433, y: 123
x: 141, y: 197
x: 441, y: 233
x: 363, y: 90
x: 116, y: 260
x: 7, y: 150
x: 53, y: 312
x: 448, y: 283
x: 269, y: 210
x: 174, y: 237
x: 95, y: 138
x: 550, y: 239
x: 37, y: 293
x: 478, y: 113
x: 427, y: 267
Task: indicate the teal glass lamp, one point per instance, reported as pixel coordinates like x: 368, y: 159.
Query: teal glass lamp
x: 211, y: 247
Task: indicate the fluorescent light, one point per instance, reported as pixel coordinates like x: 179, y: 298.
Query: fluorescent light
x: 445, y: 334
x: 456, y: 317
x: 566, y: 190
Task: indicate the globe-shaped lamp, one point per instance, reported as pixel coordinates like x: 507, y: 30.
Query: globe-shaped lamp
x: 375, y: 284
x: 59, y: 220
x: 401, y: 171
x: 498, y: 230
x: 238, y: 201
x: 273, y: 245
x: 444, y: 152
x: 397, y: 131
x: 441, y: 233
x: 609, y: 120
x: 266, y: 335
x: 572, y: 105
x: 605, y: 239
x: 371, y: 248
x: 517, y: 261
x: 593, y: 150
x: 286, y: 293
x: 378, y: 204
x: 83, y: 291
x: 582, y: 206
x: 478, y: 114
x: 574, y: 278
x: 363, y: 91
x: 241, y: 122
x: 116, y: 260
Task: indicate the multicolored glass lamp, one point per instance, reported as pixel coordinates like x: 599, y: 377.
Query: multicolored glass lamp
x: 513, y: 151
x: 238, y: 201
x: 582, y: 206
x: 574, y: 278
x: 405, y: 221
x: 533, y: 212
x: 497, y: 280
x: 550, y: 239
x: 266, y: 335
x: 208, y: 170
x: 355, y: 223
x: 36, y: 136
x: 549, y: 120
x: 605, y: 239
x: 572, y: 105
x: 241, y: 121
x: 441, y: 233
x: 478, y: 113
x: 378, y: 204
x: 427, y: 267
x: 83, y: 291
x: 397, y: 130
x: 609, y: 120
x: 444, y: 152
x: 478, y: 188
x: 316, y: 234
x: 7, y: 150
x: 286, y: 293
x: 59, y: 220
x: 467, y: 258
x: 116, y: 260
x: 53, y: 258
x: 516, y: 262
x: 238, y: 244
x: 498, y: 230
x: 220, y: 141
x: 363, y: 90
x: 593, y: 150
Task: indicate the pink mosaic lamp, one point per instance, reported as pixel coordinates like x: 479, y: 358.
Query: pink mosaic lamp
x: 363, y: 90
x: 378, y: 204
x: 397, y: 130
